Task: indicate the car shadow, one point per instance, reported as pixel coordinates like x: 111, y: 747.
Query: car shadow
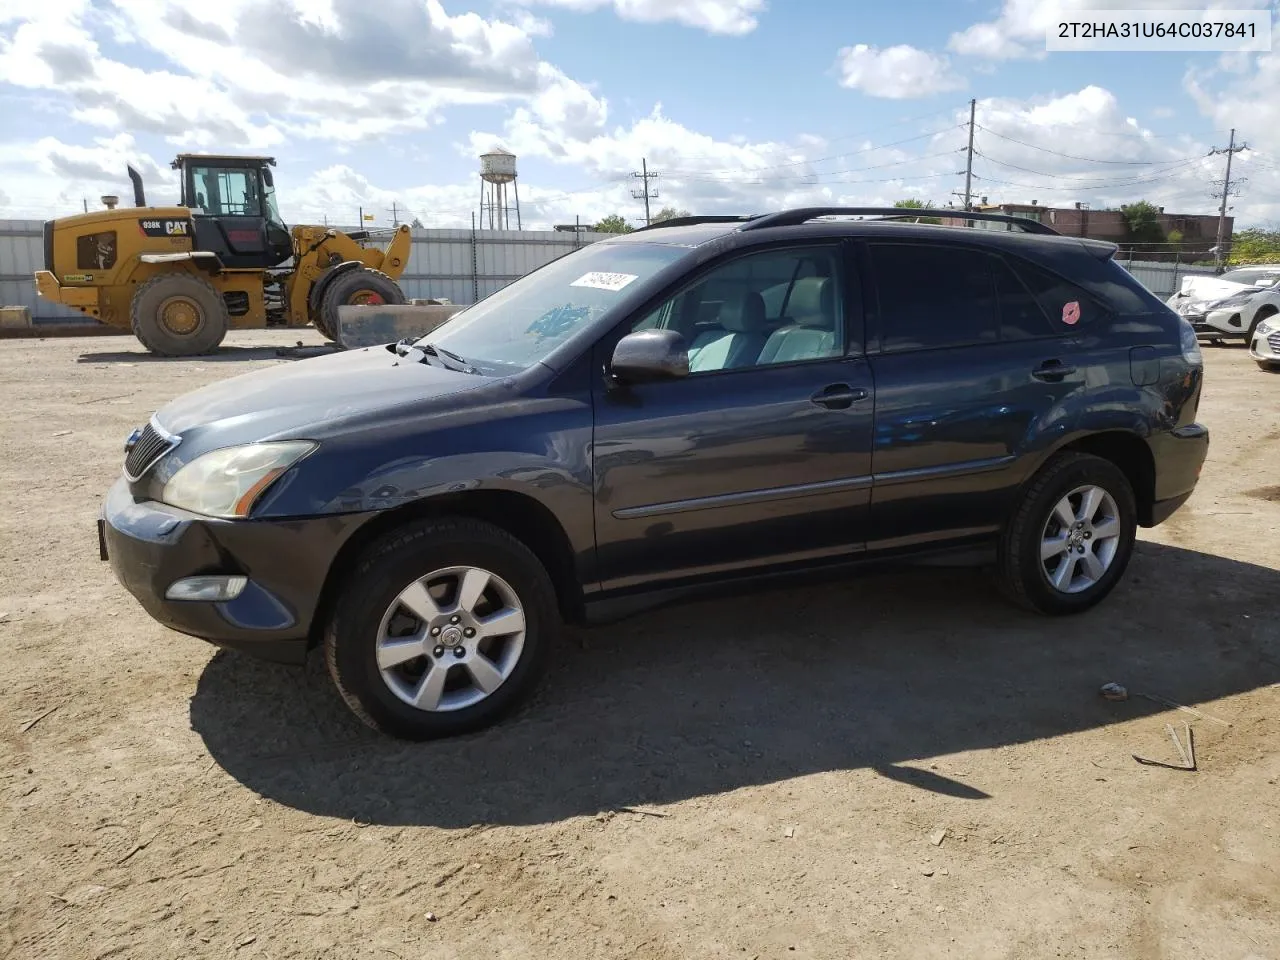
x: 876, y: 671
x: 221, y: 355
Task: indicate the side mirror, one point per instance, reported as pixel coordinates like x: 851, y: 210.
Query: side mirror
x: 266, y: 177
x: 649, y: 355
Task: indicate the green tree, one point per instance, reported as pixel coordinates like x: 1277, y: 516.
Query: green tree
x: 669, y: 213
x: 614, y: 223
x: 1255, y: 246
x: 417, y: 224
x: 1142, y: 225
x: 911, y: 203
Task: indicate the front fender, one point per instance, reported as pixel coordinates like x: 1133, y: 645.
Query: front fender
x: 540, y: 448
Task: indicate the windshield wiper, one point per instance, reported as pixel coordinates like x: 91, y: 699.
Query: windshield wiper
x: 449, y: 360
x: 442, y: 352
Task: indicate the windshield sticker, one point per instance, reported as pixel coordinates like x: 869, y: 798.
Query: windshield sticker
x: 612, y: 282
x: 1071, y: 313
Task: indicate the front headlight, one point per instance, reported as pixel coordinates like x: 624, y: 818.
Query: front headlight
x: 227, y: 482
x: 1269, y: 325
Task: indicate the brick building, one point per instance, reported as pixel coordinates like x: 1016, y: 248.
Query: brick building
x: 1199, y: 231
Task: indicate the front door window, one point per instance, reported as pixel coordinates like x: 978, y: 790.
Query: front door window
x: 226, y: 191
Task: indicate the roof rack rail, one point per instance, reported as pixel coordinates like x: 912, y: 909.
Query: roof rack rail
x: 792, y: 218
x: 690, y: 221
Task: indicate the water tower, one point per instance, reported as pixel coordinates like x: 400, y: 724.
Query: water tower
x: 497, y: 170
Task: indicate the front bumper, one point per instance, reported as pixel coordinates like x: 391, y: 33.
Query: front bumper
x: 150, y: 545
x: 48, y: 288
x: 1216, y: 324
x: 1265, y: 347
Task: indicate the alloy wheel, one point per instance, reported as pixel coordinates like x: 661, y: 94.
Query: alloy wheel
x: 450, y: 639
x: 1080, y: 539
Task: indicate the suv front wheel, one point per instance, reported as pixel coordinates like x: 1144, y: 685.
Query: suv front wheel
x: 1070, y: 537
x: 442, y: 628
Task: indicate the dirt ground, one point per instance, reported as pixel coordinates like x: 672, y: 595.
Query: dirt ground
x: 759, y: 777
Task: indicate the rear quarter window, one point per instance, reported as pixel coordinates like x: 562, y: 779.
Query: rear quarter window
x: 1067, y: 306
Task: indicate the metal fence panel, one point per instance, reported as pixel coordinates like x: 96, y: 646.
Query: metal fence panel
x: 457, y: 265
x: 1161, y: 278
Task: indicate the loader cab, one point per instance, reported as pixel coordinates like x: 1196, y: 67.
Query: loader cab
x: 233, y: 209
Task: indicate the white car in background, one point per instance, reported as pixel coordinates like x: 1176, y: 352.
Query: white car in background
x: 1231, y: 305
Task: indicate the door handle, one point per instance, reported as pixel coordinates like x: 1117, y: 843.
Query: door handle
x: 1053, y: 370
x: 838, y: 396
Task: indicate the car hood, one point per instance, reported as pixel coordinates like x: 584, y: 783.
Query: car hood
x: 316, y: 394
x: 1213, y: 288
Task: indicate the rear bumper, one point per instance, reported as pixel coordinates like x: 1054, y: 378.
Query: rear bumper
x: 150, y: 545
x: 1179, y: 455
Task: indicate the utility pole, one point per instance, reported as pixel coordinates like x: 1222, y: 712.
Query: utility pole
x: 395, y: 214
x: 968, y: 163
x: 85, y: 201
x: 645, y: 194
x: 1220, y: 250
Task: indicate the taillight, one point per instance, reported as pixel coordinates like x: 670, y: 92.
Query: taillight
x: 1190, y: 345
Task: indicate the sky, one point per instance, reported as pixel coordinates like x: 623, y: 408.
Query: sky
x: 741, y: 106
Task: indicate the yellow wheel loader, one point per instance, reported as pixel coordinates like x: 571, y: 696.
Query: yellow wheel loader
x: 180, y: 277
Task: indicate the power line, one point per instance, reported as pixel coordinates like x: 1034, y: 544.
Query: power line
x: 765, y: 183
x: 851, y: 136
x: 1073, y: 156
x: 1075, y: 177
x: 1076, y: 187
x: 813, y: 177
x: 834, y: 156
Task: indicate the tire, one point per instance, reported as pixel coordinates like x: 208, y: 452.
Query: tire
x: 1025, y: 578
x: 178, y: 315
x: 361, y: 285
x: 370, y: 612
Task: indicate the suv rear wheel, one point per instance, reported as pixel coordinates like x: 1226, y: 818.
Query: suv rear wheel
x: 1070, y: 537
x: 442, y: 628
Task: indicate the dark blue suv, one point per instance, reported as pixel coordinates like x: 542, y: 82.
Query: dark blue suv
x: 708, y: 402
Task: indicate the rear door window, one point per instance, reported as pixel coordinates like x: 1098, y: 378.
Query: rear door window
x: 1021, y: 316
x: 933, y: 296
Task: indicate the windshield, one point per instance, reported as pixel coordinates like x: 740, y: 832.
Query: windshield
x: 269, y: 200
x: 1257, y: 278
x: 522, y: 323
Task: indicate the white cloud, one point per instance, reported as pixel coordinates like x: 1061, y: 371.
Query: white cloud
x: 1019, y: 29
x: 1247, y: 97
x: 898, y: 72
x: 733, y: 17
x: 252, y: 73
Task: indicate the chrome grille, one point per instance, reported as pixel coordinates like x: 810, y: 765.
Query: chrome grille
x: 1273, y: 341
x: 152, y: 444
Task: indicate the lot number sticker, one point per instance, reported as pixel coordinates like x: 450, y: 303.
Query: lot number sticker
x: 613, y: 282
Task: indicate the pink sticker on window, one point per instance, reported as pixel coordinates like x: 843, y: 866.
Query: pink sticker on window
x: 1071, y: 313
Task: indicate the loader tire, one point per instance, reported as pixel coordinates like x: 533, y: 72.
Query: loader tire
x: 362, y: 285
x: 178, y: 315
